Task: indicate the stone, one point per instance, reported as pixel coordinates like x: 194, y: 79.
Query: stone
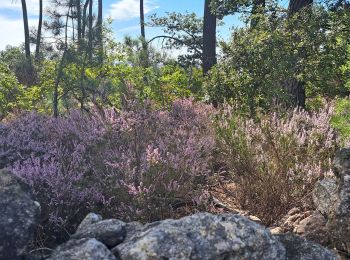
x: 292, y: 219
x: 19, y: 215
x: 276, y: 230
x: 339, y: 222
x: 293, y: 211
x: 255, y: 219
x: 341, y: 163
x: 85, y: 248
x: 133, y: 228
x: 110, y: 232
x: 3, y: 151
x: 299, y: 248
x: 90, y: 218
x: 314, y: 228
x: 202, y: 236
x: 325, y: 196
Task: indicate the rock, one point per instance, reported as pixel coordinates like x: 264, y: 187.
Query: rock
x: 19, y: 215
x: 37, y: 255
x: 133, y: 228
x: 339, y: 222
x: 309, y: 224
x: 110, y: 232
x: 341, y: 163
x: 276, y: 230
x: 85, y: 248
x: 202, y: 236
x: 90, y: 218
x: 314, y: 228
x: 299, y: 248
x: 294, y: 211
x: 255, y: 219
x: 3, y: 151
x: 325, y: 196
x: 292, y: 219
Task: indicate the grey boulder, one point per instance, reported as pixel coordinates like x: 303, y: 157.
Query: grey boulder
x: 110, y: 232
x: 202, y: 236
x: 133, y: 228
x: 90, y: 218
x: 339, y: 221
x: 325, y: 196
x: 299, y: 248
x: 85, y: 248
x: 314, y: 228
x: 19, y: 215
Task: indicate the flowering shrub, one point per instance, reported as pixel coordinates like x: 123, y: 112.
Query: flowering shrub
x: 140, y: 163
x: 276, y: 159
x: 132, y: 164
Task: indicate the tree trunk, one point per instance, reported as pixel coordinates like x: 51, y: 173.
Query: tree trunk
x: 79, y: 29
x: 142, y: 20
x: 26, y: 31
x: 209, y: 38
x: 296, y: 87
x: 40, y: 24
x: 145, y: 54
x: 99, y: 29
x: 29, y: 77
x: 83, y: 29
x: 99, y: 20
x: 57, y: 83
x: 297, y: 92
x: 90, y: 29
x: 297, y: 5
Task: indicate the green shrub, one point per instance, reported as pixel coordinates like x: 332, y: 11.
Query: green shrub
x: 341, y: 119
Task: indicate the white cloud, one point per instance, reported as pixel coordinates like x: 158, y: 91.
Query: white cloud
x: 13, y: 32
x: 32, y: 5
x: 124, y: 10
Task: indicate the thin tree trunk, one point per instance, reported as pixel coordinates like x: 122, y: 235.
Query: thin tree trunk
x: 26, y: 31
x: 100, y: 29
x: 82, y: 87
x: 142, y: 20
x: 66, y: 27
x: 29, y: 77
x: 40, y: 24
x: 83, y: 30
x: 57, y: 82
x: 90, y: 29
x: 61, y: 65
x: 99, y: 20
x: 297, y: 5
x: 78, y: 7
x: 73, y: 26
x: 296, y: 87
x: 209, y: 38
x: 145, y: 57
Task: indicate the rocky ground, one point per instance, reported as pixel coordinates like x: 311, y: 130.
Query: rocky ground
x: 320, y: 234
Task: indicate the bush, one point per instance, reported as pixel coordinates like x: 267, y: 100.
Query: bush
x: 259, y: 62
x: 10, y: 91
x: 341, y: 120
x: 132, y: 164
x: 275, y: 160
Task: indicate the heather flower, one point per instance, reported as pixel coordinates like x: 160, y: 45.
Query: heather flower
x: 276, y: 159
x: 129, y: 164
x: 153, y: 156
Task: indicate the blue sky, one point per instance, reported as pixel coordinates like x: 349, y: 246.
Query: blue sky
x: 125, y: 14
